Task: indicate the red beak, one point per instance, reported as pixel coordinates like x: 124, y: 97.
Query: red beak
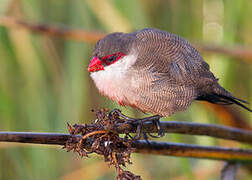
x: 95, y: 65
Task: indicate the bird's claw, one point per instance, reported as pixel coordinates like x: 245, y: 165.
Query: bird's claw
x: 139, y: 123
x: 160, y: 130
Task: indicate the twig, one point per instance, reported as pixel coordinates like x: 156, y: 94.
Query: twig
x: 228, y: 116
x: 240, y: 52
x: 59, y: 31
x: 187, y: 128
x: 190, y: 128
x: 150, y: 147
x: 93, y: 133
x: 195, y: 151
x: 229, y: 171
x: 35, y: 138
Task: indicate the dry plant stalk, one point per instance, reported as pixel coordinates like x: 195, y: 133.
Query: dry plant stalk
x: 102, y: 137
x: 98, y: 138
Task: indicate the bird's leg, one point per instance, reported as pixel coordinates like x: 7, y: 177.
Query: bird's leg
x: 139, y: 125
x: 159, y: 129
x: 155, y: 119
x: 138, y: 131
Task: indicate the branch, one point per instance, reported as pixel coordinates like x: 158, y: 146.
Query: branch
x: 228, y: 116
x: 194, y: 151
x: 187, y: 128
x: 240, y: 52
x: 229, y: 171
x: 190, y: 128
x: 150, y: 147
x: 35, y: 138
x: 58, y: 31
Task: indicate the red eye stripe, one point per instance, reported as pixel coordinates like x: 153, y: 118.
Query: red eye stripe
x: 112, y: 58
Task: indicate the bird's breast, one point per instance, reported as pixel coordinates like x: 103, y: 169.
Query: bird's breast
x: 117, y: 82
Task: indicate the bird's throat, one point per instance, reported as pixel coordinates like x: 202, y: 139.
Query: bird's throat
x: 114, y: 80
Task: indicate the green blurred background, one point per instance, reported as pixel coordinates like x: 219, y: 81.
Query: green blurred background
x: 44, y: 81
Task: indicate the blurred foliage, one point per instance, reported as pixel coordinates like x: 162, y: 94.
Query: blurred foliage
x: 44, y: 81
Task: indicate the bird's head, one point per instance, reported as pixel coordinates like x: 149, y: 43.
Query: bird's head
x: 111, y: 49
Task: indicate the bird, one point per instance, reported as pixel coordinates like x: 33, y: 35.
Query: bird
x: 156, y: 72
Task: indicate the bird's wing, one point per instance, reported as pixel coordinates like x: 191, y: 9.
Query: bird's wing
x: 166, y: 100
x: 177, y: 72
x: 171, y: 59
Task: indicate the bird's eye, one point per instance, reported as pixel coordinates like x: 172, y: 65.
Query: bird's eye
x: 111, y: 59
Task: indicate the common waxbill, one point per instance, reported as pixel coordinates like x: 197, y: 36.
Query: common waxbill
x: 154, y: 71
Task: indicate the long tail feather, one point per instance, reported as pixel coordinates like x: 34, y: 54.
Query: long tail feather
x: 236, y: 101
x: 224, y: 100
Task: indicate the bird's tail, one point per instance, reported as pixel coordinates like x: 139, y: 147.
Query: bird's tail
x: 223, y: 97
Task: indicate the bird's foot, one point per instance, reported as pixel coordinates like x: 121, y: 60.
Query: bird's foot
x: 160, y: 130
x: 139, y: 122
x: 154, y: 120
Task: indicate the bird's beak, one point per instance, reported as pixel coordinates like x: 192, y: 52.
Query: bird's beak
x: 95, y: 65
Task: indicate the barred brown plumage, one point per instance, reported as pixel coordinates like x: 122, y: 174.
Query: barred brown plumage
x: 159, y: 72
